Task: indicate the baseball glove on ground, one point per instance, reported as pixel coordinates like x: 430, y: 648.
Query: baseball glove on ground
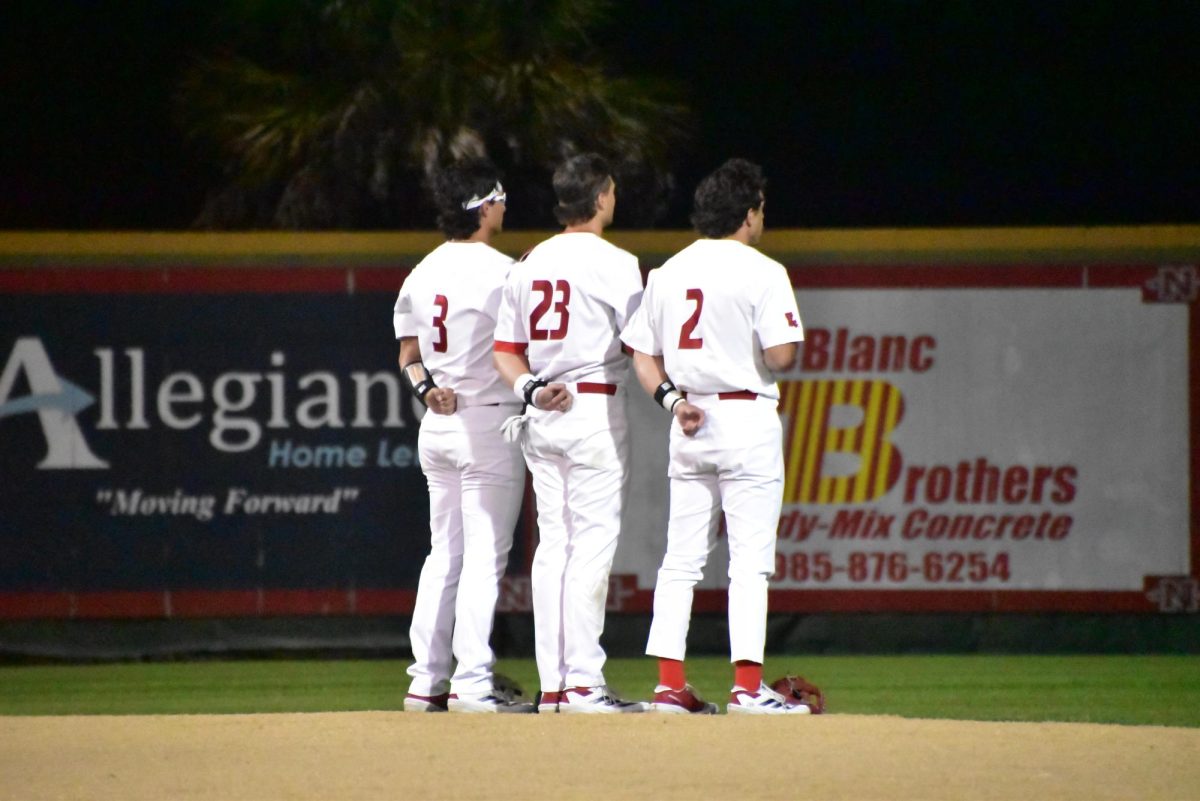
x: 796, y: 690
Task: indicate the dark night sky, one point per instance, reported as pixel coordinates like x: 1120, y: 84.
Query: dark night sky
x: 896, y: 113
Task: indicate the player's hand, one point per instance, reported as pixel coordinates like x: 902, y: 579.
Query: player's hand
x: 553, y: 398
x: 441, y: 400
x: 690, y: 417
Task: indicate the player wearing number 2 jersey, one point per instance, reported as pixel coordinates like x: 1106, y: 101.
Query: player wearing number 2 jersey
x: 557, y: 344
x: 718, y: 318
x: 444, y: 318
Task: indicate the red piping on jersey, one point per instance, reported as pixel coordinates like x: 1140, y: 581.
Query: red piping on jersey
x: 511, y: 347
x: 590, y: 388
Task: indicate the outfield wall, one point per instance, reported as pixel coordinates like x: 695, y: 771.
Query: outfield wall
x: 200, y: 426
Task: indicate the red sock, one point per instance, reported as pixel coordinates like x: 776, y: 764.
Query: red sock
x: 670, y: 674
x: 747, y: 674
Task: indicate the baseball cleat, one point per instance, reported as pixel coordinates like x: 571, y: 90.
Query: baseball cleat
x: 488, y: 702
x: 425, y: 703
x: 596, y: 700
x: 680, y: 702
x: 764, y: 701
x: 547, y: 703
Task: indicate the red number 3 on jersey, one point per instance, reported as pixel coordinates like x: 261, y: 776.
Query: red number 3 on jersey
x: 686, y: 340
x: 439, y: 322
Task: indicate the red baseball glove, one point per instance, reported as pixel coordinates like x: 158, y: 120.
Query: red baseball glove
x: 796, y: 690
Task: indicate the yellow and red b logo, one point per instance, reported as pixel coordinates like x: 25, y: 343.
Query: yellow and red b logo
x: 838, y: 447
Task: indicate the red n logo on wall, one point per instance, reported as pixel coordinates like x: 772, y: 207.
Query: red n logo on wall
x: 1175, y: 284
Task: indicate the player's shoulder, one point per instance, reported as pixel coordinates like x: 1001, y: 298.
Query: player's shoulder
x: 749, y: 260
x: 602, y: 245
x: 592, y: 244
x: 495, y: 262
x: 766, y: 264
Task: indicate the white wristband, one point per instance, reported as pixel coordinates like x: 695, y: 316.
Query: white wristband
x: 519, y: 385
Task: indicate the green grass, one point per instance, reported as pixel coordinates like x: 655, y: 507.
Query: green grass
x: 1161, y: 690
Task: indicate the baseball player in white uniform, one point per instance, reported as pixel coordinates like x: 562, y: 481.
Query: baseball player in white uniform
x: 557, y: 346
x: 445, y: 316
x: 715, y: 321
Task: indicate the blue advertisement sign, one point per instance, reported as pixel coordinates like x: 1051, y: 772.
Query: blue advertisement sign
x: 235, y: 442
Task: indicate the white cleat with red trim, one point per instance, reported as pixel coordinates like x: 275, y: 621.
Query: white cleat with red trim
x: 764, y: 701
x: 595, y: 700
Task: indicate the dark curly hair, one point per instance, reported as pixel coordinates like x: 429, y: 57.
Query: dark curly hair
x: 455, y: 185
x: 578, y: 182
x: 722, y: 199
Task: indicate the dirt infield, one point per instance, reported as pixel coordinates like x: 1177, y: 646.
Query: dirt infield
x: 390, y: 755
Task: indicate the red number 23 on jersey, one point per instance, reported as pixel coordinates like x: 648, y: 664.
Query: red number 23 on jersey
x: 548, y: 291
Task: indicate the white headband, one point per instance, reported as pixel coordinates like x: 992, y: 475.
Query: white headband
x: 496, y: 195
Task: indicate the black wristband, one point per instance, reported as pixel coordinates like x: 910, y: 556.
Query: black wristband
x: 662, y: 391
x: 422, y: 389
x: 667, y: 395
x: 532, y: 387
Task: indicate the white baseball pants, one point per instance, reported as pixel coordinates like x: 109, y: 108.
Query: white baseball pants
x: 578, y: 460
x: 735, y: 463
x: 476, y: 481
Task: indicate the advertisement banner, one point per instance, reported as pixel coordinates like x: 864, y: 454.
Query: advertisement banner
x: 229, y: 442
x: 947, y: 445
x: 205, y: 452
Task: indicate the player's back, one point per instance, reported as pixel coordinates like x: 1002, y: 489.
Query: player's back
x: 716, y: 304
x: 565, y: 303
x: 451, y: 300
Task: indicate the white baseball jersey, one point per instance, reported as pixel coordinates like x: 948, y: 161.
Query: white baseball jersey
x: 709, y: 311
x: 450, y: 302
x: 565, y: 304
x: 476, y: 479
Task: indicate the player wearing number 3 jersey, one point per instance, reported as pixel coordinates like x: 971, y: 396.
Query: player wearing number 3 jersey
x: 444, y: 318
x: 715, y: 321
x: 557, y: 345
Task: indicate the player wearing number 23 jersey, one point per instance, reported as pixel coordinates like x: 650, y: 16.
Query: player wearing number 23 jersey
x: 445, y: 317
x: 556, y: 341
x: 715, y: 321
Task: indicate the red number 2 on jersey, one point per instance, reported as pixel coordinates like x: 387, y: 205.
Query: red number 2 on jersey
x: 563, y: 289
x: 439, y: 322
x: 686, y: 340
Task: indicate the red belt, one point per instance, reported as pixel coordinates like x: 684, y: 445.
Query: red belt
x: 741, y: 394
x: 592, y: 388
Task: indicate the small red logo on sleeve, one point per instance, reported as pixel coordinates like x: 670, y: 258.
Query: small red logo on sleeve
x: 791, y: 318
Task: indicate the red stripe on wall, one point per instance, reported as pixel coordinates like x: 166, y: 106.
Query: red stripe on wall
x: 808, y: 601
x: 384, y: 602
x: 216, y: 603
x: 1112, y: 276
x: 231, y: 280
x: 379, y: 279
x: 165, y: 281
x: 870, y: 276
x: 120, y: 604
x: 285, y: 603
